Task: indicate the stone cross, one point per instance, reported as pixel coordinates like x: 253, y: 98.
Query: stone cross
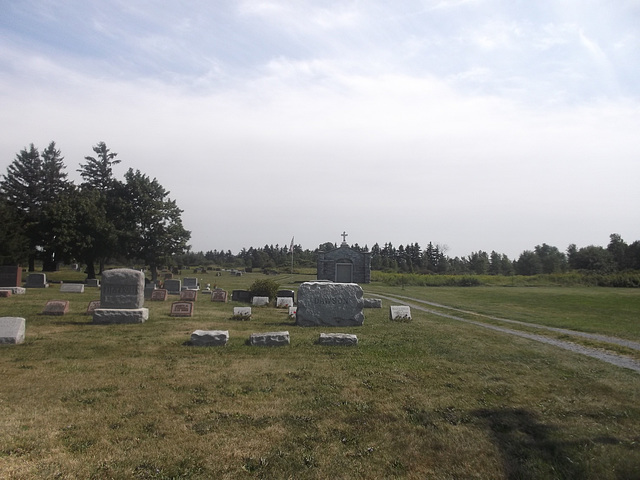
x: 344, y: 236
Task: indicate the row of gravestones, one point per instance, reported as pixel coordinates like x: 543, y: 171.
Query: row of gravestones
x: 319, y: 303
x: 212, y: 338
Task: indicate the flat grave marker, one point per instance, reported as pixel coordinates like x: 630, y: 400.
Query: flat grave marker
x: 56, y: 307
x: 341, y: 339
x: 182, y: 309
x: 72, y: 288
x: 242, y: 312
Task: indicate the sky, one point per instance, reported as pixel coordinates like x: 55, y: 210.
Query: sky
x: 473, y: 124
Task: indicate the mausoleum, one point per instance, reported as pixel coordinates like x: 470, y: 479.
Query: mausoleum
x: 344, y: 265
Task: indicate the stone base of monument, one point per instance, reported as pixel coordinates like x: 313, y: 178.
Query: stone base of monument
x: 372, y: 303
x: 209, y: 338
x: 345, y: 339
x: 120, y: 315
x: 269, y: 339
x: 12, y: 330
x: 15, y: 290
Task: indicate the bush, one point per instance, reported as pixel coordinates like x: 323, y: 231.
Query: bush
x: 264, y: 288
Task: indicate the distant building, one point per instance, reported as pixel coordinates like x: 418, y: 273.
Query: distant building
x: 344, y: 265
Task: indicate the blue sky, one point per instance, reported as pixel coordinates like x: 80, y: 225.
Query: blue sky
x: 475, y: 124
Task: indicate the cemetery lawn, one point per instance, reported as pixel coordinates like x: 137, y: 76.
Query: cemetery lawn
x: 435, y: 398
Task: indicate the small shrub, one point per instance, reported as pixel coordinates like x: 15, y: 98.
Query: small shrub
x: 264, y: 288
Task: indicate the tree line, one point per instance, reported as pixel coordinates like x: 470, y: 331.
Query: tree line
x: 617, y: 256
x: 49, y: 219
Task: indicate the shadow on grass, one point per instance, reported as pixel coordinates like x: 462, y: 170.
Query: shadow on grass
x: 528, y: 447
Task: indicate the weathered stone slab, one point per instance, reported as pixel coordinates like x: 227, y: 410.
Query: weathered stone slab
x: 182, y: 309
x: 269, y: 339
x: 56, y: 307
x: 219, y: 296
x: 241, y: 296
x: 331, y: 304
x: 5, y: 293
x: 14, y: 290
x: 91, y: 308
x: 190, y: 283
x: 260, y: 301
x: 342, y: 339
x: 122, y: 288
x: 10, y: 276
x: 12, y: 330
x: 72, y: 288
x: 284, y: 302
x: 93, y: 282
x: 37, y: 280
x: 400, y: 313
x: 189, y: 295
x: 242, y: 312
x: 173, y: 286
x: 372, y: 303
x: 209, y: 338
x: 159, y: 295
x: 120, y: 315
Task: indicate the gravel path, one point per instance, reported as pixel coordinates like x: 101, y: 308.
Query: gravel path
x: 618, y: 360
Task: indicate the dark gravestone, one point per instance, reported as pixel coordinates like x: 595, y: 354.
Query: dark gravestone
x: 287, y: 293
x: 241, y: 296
x: 10, y: 277
x: 37, y: 280
x: 189, y: 295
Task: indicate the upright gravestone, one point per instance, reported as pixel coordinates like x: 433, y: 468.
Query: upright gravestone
x: 121, y: 297
x: 260, y: 301
x: 12, y: 330
x: 190, y: 283
x: 284, y: 302
x: 241, y: 296
x: 331, y: 304
x: 400, y: 313
x: 173, y: 286
x: 189, y: 295
x: 93, y: 282
x: 219, y: 296
x: 10, y: 277
x: 37, y: 280
x: 287, y: 293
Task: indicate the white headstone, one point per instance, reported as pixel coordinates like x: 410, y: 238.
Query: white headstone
x: 242, y: 312
x: 208, y: 338
x: 337, y: 339
x: 260, y: 301
x: 284, y: 302
x: 72, y: 288
x: 400, y: 313
x: 269, y: 339
x: 12, y: 330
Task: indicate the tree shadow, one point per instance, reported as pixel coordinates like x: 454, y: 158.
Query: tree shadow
x: 529, y: 450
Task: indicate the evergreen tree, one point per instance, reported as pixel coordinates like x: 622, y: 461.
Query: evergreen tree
x: 154, y: 226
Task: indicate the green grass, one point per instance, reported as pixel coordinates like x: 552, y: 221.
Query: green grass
x: 433, y: 398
